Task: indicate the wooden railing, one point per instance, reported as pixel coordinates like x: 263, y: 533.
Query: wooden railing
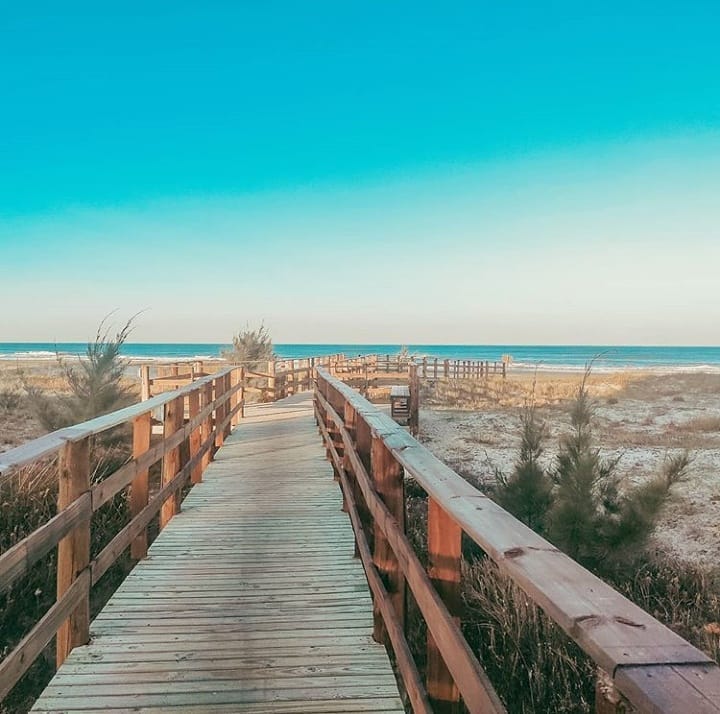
x: 212, y: 405
x: 654, y: 669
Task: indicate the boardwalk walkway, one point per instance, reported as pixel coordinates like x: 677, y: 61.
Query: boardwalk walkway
x: 250, y: 600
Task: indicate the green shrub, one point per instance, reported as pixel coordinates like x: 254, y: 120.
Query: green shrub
x: 578, y: 504
x: 526, y: 493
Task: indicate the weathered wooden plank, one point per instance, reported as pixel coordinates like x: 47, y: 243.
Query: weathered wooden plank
x: 219, y: 703
x: 248, y: 599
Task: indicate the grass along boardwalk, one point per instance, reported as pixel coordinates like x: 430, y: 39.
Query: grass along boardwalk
x: 250, y: 599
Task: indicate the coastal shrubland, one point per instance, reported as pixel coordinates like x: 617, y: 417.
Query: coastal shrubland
x: 578, y: 502
x: 93, y: 385
x: 65, y: 393
x: 604, y: 506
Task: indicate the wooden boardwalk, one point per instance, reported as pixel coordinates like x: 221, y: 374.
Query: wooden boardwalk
x: 251, y: 599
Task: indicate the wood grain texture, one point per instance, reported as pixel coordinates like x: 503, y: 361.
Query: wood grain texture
x: 142, y: 428
x: 74, y: 548
x: 250, y: 600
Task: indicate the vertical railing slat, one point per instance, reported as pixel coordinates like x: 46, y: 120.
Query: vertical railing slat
x: 444, y: 563
x: 74, y: 548
x: 142, y: 431
x: 388, y: 480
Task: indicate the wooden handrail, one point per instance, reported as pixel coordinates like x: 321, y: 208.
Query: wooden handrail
x: 210, y: 419
x: 52, y: 443
x: 638, y: 652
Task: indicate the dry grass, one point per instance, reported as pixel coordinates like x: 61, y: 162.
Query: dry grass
x: 548, y: 388
x: 535, y: 667
x: 28, y: 499
x: 473, y: 426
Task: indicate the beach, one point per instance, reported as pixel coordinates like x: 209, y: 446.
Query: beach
x: 641, y: 418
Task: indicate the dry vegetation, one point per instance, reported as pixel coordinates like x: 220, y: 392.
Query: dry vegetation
x: 28, y: 497
x: 643, y: 420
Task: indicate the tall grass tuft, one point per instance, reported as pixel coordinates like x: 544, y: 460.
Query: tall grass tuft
x: 250, y: 347
x: 534, y: 666
x: 94, y: 385
x: 526, y: 493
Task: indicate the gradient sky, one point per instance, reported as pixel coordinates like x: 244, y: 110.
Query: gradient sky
x: 423, y: 173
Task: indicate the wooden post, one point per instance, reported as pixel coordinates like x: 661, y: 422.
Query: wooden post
x: 363, y: 446
x: 271, y: 380
x: 388, y: 480
x: 446, y: 368
x: 227, y: 383
x: 444, y: 556
x: 424, y: 365
x: 74, y: 548
x: 235, y: 398
x: 241, y: 394
x: 195, y: 435
x: 414, y: 416
x: 172, y: 421
x: 144, y: 382
x: 217, y: 394
x: 349, y: 420
x: 142, y: 430
x: 206, y: 397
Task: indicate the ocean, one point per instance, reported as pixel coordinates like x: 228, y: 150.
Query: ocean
x: 541, y: 357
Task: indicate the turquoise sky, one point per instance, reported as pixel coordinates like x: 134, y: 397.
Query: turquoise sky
x: 402, y: 172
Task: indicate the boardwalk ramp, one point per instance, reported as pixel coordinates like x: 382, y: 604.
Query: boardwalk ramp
x: 251, y: 600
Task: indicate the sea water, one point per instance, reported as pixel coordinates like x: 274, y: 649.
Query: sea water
x: 541, y: 357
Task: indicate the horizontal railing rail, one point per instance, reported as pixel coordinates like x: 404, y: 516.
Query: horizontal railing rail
x: 652, y: 667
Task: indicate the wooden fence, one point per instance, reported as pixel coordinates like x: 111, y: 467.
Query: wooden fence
x: 435, y: 368
x: 196, y: 419
x: 653, y: 668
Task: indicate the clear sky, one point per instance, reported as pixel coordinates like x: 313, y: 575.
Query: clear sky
x: 362, y: 171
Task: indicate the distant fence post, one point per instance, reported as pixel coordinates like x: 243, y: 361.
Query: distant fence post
x: 74, y: 548
x: 145, y: 382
